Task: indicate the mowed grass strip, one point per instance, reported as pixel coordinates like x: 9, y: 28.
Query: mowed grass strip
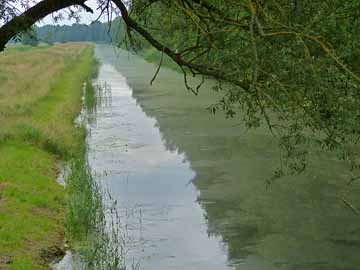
x: 37, y: 131
x: 27, y: 76
x: 31, y: 206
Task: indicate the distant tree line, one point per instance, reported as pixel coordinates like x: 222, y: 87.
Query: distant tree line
x: 29, y: 37
x: 95, y: 32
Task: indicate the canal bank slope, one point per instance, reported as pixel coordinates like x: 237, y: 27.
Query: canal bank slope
x: 40, y: 96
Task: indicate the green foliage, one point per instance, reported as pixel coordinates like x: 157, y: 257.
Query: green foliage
x: 48, y: 39
x: 289, y: 65
x: 95, y: 32
x: 30, y: 38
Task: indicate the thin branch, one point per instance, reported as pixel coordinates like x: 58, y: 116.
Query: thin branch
x: 158, y: 69
x: 352, y: 208
x: 87, y: 8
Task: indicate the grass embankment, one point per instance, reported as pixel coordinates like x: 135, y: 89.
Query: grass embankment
x: 40, y: 96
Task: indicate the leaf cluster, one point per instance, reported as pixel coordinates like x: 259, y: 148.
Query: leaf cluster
x: 290, y: 65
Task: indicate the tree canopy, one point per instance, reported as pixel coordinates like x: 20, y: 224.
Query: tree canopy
x: 29, y: 37
x: 291, y: 65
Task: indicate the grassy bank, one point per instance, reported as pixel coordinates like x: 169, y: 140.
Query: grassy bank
x: 40, y: 96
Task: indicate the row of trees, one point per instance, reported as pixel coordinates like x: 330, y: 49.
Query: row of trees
x: 95, y: 32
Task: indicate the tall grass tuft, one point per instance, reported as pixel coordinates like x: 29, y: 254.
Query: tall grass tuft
x: 90, y: 95
x: 93, y: 227
x: 84, y: 201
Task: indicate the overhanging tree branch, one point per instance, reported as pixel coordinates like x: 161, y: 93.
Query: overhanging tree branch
x: 177, y: 57
x: 32, y: 15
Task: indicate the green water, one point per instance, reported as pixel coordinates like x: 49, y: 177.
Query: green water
x: 297, y: 223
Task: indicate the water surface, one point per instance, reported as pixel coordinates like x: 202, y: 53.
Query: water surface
x: 165, y: 226
x: 192, y: 186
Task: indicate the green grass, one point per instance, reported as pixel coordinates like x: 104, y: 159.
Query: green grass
x: 83, y: 201
x: 31, y: 205
x: 32, y: 143
x: 24, y: 48
x: 96, y: 239
x: 90, y: 99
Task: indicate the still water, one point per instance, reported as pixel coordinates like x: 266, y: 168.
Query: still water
x: 191, y: 186
x: 165, y: 225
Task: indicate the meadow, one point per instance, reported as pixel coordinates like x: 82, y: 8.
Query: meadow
x: 40, y: 96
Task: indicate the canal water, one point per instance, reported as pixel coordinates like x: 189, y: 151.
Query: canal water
x: 191, y: 189
x: 165, y: 226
